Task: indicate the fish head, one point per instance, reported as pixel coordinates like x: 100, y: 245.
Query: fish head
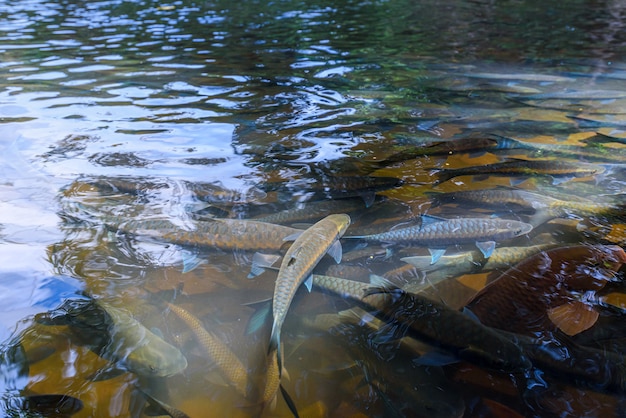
x: 154, y: 357
x: 518, y: 228
x: 341, y: 221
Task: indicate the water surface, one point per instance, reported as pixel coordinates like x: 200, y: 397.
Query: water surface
x: 141, y: 110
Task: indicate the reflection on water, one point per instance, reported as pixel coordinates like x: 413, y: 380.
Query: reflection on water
x: 151, y: 150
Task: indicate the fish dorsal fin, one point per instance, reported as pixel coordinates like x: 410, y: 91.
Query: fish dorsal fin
x: 486, y: 247
x: 335, y: 251
x: 573, y: 317
x: 431, y: 219
x: 435, y: 254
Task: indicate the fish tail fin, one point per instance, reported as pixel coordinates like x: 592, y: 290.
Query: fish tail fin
x: 289, y: 401
x: 275, y: 346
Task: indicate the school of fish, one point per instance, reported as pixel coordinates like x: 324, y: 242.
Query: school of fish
x: 362, y: 287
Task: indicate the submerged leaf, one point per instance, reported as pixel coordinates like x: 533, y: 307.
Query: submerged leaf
x: 573, y: 317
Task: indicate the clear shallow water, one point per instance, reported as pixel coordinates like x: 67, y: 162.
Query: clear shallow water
x: 169, y: 96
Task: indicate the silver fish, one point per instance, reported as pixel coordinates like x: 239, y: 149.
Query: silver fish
x: 439, y: 233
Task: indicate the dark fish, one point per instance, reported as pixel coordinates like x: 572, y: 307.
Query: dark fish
x: 335, y: 187
x: 525, y: 168
x: 312, y: 211
x: 453, y: 146
x: 539, y: 294
x: 598, y: 369
x: 57, y: 406
x: 416, y: 316
x: 164, y: 407
x: 226, y: 234
x: 438, y: 233
x: 453, y: 331
x: 402, y: 387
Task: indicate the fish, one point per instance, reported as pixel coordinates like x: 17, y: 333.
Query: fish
x: 473, y: 261
x: 48, y: 405
x: 162, y: 406
x: 428, y: 321
x: 438, y: 233
x: 558, y: 170
x: 326, y: 186
x: 115, y: 335
x: 458, y: 145
x: 592, y: 150
x: 534, y: 77
x: 410, y: 314
x: 402, y: 387
x: 570, y: 94
x: 301, y: 258
x: 538, y: 295
x: 312, y: 211
x: 574, y: 364
x: 228, y: 364
x: 224, y: 234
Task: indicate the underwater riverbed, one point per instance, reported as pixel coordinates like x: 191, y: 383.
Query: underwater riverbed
x: 159, y: 158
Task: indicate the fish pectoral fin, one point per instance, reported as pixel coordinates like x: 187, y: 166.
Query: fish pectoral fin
x: 435, y: 254
x: 368, y: 198
x: 191, y: 261
x: 308, y: 282
x: 573, y: 317
x: 260, y: 317
x: 260, y: 262
x: 486, y: 247
x: 336, y: 251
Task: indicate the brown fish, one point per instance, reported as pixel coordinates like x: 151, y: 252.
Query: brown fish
x: 226, y: 361
x: 303, y: 255
x: 225, y: 234
x: 536, y: 294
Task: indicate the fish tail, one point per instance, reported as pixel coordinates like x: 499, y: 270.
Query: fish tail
x: 275, y: 346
